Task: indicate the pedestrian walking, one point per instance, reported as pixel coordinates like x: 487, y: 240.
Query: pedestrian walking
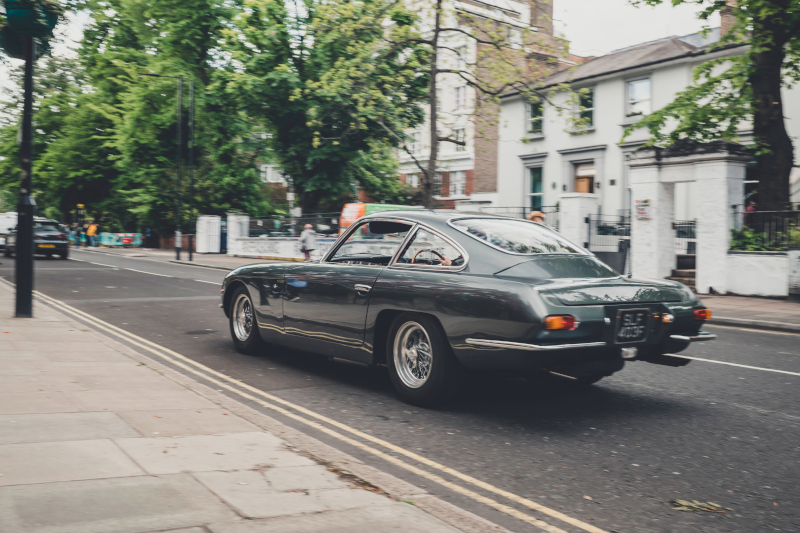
x: 76, y: 234
x: 308, y: 241
x: 91, y: 234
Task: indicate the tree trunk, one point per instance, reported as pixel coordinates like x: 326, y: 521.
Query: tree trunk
x: 427, y: 177
x: 769, y: 128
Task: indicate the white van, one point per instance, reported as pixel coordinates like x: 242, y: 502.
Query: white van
x: 7, y: 222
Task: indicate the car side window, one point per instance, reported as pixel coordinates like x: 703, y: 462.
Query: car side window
x: 428, y: 249
x: 372, y: 243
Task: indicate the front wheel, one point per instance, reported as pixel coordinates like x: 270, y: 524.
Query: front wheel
x: 244, y: 326
x: 421, y: 364
x: 7, y: 251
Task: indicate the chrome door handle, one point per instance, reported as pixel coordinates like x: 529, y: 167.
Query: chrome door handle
x: 362, y: 288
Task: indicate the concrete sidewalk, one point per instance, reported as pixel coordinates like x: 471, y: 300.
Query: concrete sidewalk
x: 759, y: 313
x: 97, y: 440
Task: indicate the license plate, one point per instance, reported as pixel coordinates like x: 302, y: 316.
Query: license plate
x: 47, y: 246
x: 632, y: 325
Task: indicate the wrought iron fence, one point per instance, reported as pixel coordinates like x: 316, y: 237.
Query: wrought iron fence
x: 685, y: 236
x: 550, y: 212
x: 607, y: 231
x: 765, y: 230
x: 322, y: 223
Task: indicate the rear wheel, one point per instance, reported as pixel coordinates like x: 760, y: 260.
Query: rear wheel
x: 64, y: 254
x: 7, y: 251
x: 421, y: 364
x: 243, y: 323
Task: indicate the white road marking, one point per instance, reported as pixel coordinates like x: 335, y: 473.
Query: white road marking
x: 733, y: 364
x: 151, y: 273
x: 754, y: 330
x: 212, y: 282
x: 101, y: 264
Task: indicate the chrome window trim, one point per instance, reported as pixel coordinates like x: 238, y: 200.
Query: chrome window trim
x: 360, y: 222
x: 701, y: 336
x: 450, y: 222
x: 451, y: 242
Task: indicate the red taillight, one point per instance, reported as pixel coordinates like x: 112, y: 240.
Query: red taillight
x: 560, y: 322
x: 62, y: 236
x: 702, y: 314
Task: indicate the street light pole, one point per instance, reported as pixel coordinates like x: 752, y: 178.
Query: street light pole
x: 192, y: 233
x: 178, y: 234
x: 23, y: 275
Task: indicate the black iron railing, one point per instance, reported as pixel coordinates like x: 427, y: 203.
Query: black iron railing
x: 685, y: 236
x: 755, y: 231
x: 607, y: 231
x: 322, y: 223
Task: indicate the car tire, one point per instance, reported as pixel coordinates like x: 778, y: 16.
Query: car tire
x: 63, y: 255
x: 425, y: 382
x: 243, y: 323
x: 7, y: 252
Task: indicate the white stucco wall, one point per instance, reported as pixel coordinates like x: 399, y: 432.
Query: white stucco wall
x: 794, y: 271
x: 758, y: 273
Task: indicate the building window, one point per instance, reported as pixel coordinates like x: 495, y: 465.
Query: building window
x: 535, y: 193
x: 638, y: 104
x: 461, y: 98
x: 514, y: 38
x: 437, y: 183
x: 413, y: 180
x: 460, y: 135
x: 270, y: 174
x: 461, y: 58
x: 585, y: 110
x: 458, y: 183
x: 413, y: 146
x: 536, y: 118
x: 584, y: 177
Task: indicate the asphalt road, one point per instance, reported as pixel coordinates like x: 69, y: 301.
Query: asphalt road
x: 612, y: 455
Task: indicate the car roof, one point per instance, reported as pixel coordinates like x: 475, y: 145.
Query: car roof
x: 483, y: 258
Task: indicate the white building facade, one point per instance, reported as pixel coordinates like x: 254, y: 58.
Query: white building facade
x: 540, y: 158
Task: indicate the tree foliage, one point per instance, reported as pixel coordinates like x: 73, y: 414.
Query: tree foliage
x: 732, y: 91
x: 329, y: 86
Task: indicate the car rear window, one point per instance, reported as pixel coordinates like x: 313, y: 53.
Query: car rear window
x: 517, y: 236
x: 46, y: 227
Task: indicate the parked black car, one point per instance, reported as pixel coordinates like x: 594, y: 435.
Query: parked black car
x: 49, y: 239
x: 430, y: 294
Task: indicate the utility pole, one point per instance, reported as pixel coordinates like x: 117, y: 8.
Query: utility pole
x: 23, y: 274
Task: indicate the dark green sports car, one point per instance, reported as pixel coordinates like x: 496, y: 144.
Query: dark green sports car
x: 432, y: 294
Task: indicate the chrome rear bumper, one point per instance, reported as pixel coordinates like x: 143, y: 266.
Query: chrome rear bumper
x: 701, y: 336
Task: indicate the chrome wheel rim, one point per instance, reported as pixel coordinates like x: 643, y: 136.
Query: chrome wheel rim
x: 413, y: 355
x: 242, y: 317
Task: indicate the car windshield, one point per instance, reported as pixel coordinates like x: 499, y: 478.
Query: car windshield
x: 517, y: 236
x: 44, y: 226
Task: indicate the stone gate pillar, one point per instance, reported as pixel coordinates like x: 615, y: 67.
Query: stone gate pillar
x: 719, y: 170
x: 573, y: 209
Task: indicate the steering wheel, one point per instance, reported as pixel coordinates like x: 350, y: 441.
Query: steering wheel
x: 445, y: 261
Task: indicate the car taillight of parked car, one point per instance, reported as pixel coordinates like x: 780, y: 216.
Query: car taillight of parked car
x: 702, y: 314
x: 560, y: 322
x: 62, y: 236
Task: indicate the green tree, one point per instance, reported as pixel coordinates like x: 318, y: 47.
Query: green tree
x: 733, y: 90
x: 331, y: 84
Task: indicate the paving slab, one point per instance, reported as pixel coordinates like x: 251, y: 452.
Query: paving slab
x: 63, y: 427
x: 137, y: 399
x: 21, y: 368
x: 89, y: 344
x: 21, y: 355
x: 184, y: 422
x: 395, y: 518
x: 239, y: 451
x: 127, y: 505
x: 91, y: 356
x: 39, y: 383
x: 141, y: 380
x: 35, y: 402
x: 250, y: 493
x: 121, y: 369
x: 45, y: 462
x: 302, y: 477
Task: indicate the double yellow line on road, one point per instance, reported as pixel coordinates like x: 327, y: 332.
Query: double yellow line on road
x: 290, y: 410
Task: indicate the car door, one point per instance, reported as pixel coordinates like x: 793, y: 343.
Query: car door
x: 327, y: 301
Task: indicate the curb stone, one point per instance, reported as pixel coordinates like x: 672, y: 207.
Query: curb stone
x: 301, y: 442
x: 755, y: 324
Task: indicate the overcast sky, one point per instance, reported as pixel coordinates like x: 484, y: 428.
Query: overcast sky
x: 596, y: 27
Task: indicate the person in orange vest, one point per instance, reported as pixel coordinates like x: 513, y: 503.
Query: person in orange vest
x: 91, y: 234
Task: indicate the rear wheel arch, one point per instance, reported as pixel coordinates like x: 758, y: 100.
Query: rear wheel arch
x: 228, y: 295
